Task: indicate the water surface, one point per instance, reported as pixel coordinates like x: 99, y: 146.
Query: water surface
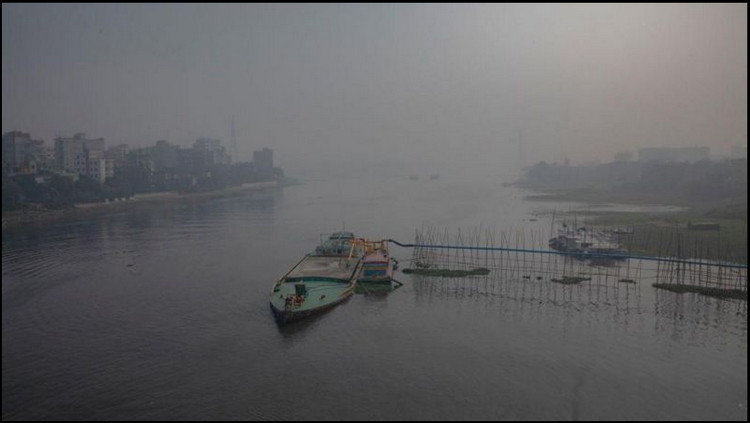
x: 162, y: 313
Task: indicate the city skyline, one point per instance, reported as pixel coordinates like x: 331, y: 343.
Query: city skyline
x: 446, y: 85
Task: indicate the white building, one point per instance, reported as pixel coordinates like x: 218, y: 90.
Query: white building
x: 81, y: 156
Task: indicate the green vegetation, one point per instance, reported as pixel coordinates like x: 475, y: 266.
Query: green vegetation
x: 668, y: 234
x: 52, y: 191
x: 711, y: 292
x: 448, y: 273
x: 713, y: 192
x: 56, y: 191
x: 570, y: 280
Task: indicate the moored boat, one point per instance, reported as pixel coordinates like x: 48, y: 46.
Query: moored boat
x: 597, y: 245
x: 338, y: 244
x: 377, y: 265
x: 319, y: 281
x: 566, y: 243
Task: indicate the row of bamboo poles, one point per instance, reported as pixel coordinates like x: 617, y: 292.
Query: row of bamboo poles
x: 524, y: 254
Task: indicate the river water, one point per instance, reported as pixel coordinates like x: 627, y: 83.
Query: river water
x: 163, y: 313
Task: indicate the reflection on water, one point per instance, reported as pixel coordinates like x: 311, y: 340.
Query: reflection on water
x: 162, y: 313
x: 375, y: 291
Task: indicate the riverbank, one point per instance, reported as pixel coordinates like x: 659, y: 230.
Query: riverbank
x: 726, y: 207
x: 673, y: 231
x: 32, y: 217
x: 674, y: 235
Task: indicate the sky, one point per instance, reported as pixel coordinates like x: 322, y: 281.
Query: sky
x: 442, y: 85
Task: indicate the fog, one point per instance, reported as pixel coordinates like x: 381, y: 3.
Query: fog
x: 423, y: 88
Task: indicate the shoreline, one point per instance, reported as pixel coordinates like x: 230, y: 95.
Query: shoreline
x: 660, y: 227
x: 25, y: 218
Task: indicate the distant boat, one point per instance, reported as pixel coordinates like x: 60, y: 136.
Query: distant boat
x: 596, y: 245
x: 319, y: 281
x: 338, y: 244
x: 566, y: 243
x: 434, y: 176
x: 413, y: 177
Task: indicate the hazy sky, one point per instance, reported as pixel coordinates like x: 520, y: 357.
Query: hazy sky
x: 447, y: 84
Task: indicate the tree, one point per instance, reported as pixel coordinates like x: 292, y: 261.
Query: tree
x: 13, y: 197
x: 88, y: 190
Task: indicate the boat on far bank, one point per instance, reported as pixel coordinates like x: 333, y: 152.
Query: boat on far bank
x: 595, y: 245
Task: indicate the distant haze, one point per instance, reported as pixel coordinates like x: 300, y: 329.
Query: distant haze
x: 442, y: 86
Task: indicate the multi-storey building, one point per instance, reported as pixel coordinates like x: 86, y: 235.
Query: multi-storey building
x: 212, y: 151
x: 81, y: 156
x: 116, y: 156
x: 22, y: 154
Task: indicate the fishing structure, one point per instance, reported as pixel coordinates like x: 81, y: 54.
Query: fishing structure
x: 513, y: 264
x: 521, y: 256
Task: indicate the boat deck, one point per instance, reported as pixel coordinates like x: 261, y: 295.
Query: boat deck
x: 376, y: 267
x: 323, y: 267
x: 320, y: 293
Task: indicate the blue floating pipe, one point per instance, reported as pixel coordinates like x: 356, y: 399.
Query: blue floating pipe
x: 571, y: 253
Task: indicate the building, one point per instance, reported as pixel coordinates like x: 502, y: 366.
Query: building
x: 22, y: 154
x: 165, y: 156
x: 70, y: 155
x: 190, y: 161
x: 9, y: 151
x: 667, y: 155
x: 109, y: 168
x: 81, y: 156
x: 263, y: 162
x: 97, y: 167
x: 116, y: 156
x: 212, y: 151
x: 623, y: 156
x: 47, y: 161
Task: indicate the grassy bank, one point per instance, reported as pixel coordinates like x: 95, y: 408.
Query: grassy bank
x: 664, y: 233
x: 670, y: 235
x: 596, y: 196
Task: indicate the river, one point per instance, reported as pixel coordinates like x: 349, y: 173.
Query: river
x: 162, y: 312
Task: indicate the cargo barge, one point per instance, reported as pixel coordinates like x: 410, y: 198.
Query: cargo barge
x: 319, y: 281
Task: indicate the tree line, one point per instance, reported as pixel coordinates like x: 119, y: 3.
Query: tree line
x: 54, y: 191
